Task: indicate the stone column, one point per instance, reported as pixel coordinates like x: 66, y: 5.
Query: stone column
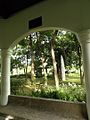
x: 5, y: 75
x: 84, y: 38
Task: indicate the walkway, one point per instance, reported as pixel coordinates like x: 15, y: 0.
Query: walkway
x: 30, y: 114
x: 28, y: 108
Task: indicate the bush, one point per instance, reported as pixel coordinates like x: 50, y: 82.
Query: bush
x: 67, y: 92
x: 17, y: 85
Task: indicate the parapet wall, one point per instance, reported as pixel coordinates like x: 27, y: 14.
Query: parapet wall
x: 70, y: 109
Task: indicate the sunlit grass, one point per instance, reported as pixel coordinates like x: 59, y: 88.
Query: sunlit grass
x: 73, y: 77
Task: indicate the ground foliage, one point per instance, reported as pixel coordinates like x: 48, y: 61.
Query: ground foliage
x: 67, y: 91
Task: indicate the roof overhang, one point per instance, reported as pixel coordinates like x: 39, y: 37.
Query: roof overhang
x: 10, y: 7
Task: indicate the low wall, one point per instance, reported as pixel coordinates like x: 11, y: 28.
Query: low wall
x: 70, y: 109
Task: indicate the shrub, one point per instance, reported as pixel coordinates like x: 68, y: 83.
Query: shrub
x: 17, y: 85
x: 67, y: 92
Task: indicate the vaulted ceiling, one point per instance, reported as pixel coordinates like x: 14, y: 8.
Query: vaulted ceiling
x: 10, y: 7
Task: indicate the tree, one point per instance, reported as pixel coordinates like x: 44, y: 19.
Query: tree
x: 62, y: 69
x: 32, y: 57
x: 80, y: 64
x: 54, y: 60
x: 17, y: 58
x: 68, y: 45
x: 46, y: 49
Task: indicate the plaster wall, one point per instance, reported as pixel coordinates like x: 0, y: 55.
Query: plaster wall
x: 69, y: 14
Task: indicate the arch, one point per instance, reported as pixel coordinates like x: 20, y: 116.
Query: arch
x: 36, y: 30
x: 60, y: 14
x: 63, y: 14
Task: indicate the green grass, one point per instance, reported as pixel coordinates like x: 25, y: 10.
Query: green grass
x: 73, y: 77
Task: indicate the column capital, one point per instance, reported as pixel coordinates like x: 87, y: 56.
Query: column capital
x: 84, y: 36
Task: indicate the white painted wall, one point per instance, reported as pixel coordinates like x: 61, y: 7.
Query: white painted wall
x: 69, y: 14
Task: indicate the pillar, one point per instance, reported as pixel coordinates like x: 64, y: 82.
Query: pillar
x: 84, y: 38
x: 5, y: 76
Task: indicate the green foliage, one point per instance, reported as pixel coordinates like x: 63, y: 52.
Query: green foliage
x: 17, y: 85
x: 67, y: 45
x: 67, y: 91
x: 33, y: 53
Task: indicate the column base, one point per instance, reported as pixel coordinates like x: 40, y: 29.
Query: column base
x: 4, y: 100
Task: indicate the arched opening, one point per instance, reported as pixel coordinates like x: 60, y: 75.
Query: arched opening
x: 74, y: 22
x: 48, y: 64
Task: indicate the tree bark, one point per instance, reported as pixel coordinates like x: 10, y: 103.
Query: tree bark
x: 32, y: 60
x: 32, y: 68
x: 62, y: 69
x: 80, y: 66
x: 54, y: 60
x: 44, y: 70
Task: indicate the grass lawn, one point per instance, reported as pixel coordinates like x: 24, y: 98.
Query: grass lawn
x: 73, y: 77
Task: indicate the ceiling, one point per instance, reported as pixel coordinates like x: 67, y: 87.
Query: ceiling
x: 10, y: 7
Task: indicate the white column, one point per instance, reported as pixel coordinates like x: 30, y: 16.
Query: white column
x: 85, y: 43
x: 5, y: 76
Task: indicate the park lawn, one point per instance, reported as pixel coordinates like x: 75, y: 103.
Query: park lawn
x: 73, y: 77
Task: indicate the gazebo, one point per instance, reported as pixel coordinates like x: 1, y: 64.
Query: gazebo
x: 19, y: 18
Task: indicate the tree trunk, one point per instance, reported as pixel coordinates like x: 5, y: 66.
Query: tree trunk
x: 82, y: 79
x: 44, y: 70
x: 80, y: 66
x: 62, y: 69
x: 26, y: 67
x: 32, y: 68
x: 54, y: 61
x: 32, y: 60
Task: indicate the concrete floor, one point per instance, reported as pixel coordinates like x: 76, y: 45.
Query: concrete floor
x: 23, y: 113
